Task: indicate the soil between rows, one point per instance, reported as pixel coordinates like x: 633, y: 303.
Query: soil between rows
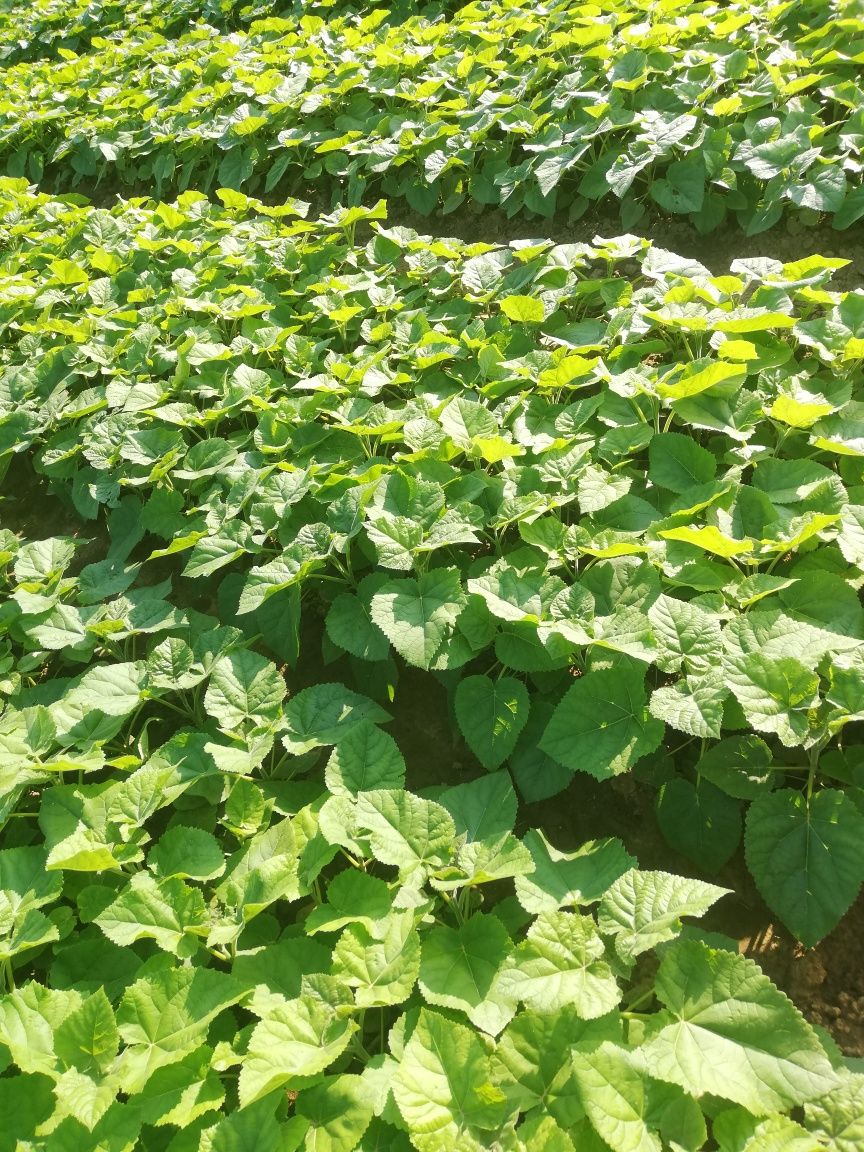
x: 716, y: 250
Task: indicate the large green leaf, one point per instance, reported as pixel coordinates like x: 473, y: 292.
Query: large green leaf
x: 190, y: 853
x: 805, y: 856
x: 642, y: 909
x: 731, y: 1033
x: 699, y: 821
x: 560, y: 963
x: 444, y: 1088
x: 460, y: 966
x: 483, y: 808
x: 602, y: 725
x: 678, y: 463
x: 418, y: 616
x: 491, y: 714
x: 739, y: 765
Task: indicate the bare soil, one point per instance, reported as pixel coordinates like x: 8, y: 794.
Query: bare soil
x: 785, y: 242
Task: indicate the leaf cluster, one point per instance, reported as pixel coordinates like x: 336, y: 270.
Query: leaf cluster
x: 739, y: 113
x: 615, y: 513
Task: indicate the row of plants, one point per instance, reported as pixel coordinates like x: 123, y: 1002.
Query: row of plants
x: 55, y: 29
x: 613, y: 501
x: 710, y: 112
x: 220, y: 959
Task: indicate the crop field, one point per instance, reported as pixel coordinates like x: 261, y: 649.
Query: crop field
x: 431, y: 553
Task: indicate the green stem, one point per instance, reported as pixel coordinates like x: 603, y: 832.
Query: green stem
x: 454, y: 907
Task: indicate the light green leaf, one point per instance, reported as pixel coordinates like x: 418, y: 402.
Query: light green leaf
x: 88, y: 1039
x: 28, y: 929
x: 299, y: 1040
x: 381, y: 964
x: 798, y: 412
x: 564, y: 879
x: 850, y: 539
x: 266, y: 869
x: 444, y: 1088
x: 396, y: 539
x: 561, y: 963
x: 29, y: 1017
x: 460, y: 966
x: 165, y: 1016
x: 699, y: 376
x: 735, y: 1130
x: 465, y: 420
x: 167, y: 911
x: 325, y: 714
x: 190, y: 853
x: 693, y: 705
x: 777, y: 694
x: 179, y: 1093
x: 524, y: 309
x: 838, y: 1118
x: 114, y: 689
x: 418, y: 616
x: 534, y: 1051
x: 685, y: 633
x: 616, y: 1097
x: 642, y: 909
x: 710, y: 539
x: 733, y: 1034
x: 413, y: 834
x: 352, y: 897
x: 339, y: 1112
x: 365, y: 758
x: 244, y: 687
